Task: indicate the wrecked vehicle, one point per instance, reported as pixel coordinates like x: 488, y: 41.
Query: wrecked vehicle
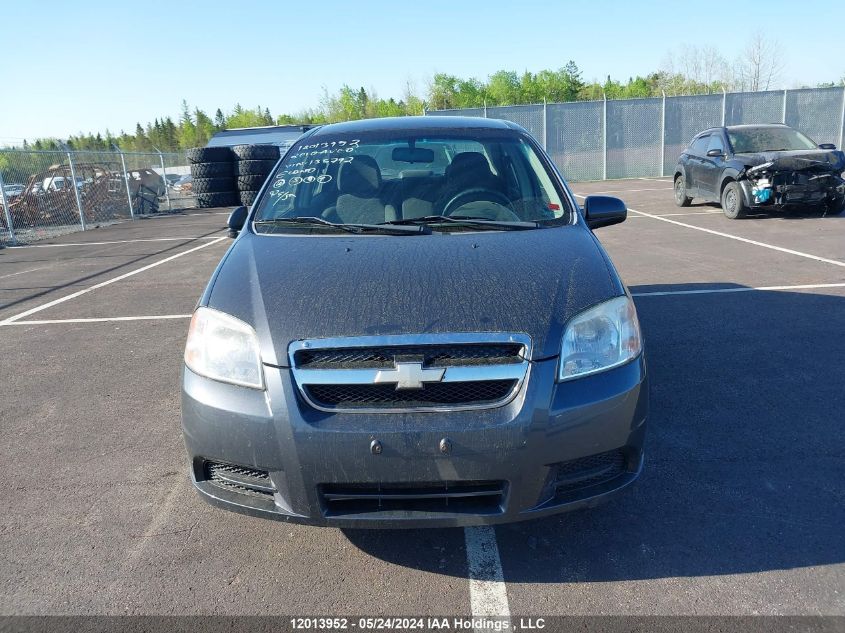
x: 761, y: 168
x: 49, y: 198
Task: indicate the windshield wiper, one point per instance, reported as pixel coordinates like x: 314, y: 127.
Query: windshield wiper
x: 470, y: 221
x: 349, y: 228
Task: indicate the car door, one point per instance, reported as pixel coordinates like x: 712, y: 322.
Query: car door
x: 710, y: 168
x: 696, y: 151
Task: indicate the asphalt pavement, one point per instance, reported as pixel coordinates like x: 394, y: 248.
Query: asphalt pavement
x: 739, y: 511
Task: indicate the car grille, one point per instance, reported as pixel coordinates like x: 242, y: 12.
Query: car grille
x: 248, y: 481
x: 570, y: 477
x: 430, y: 355
x: 467, y: 497
x: 478, y: 392
x: 410, y: 373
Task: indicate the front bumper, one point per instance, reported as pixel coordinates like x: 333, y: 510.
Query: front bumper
x: 788, y: 197
x: 530, y: 448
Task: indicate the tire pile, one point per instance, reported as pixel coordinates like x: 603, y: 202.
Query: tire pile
x: 254, y: 164
x: 226, y: 177
x: 213, y: 174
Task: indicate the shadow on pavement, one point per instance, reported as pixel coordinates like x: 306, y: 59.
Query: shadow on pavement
x: 744, y: 468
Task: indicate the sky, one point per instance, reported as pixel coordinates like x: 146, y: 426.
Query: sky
x: 92, y: 65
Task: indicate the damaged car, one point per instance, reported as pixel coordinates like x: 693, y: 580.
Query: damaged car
x: 761, y: 168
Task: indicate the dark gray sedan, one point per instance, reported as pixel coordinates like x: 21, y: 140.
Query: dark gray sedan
x: 415, y: 326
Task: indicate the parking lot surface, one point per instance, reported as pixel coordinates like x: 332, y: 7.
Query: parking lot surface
x: 739, y: 509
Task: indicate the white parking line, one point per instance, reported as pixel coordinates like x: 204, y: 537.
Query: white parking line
x: 152, y: 239
x: 31, y: 270
x: 666, y: 215
x: 592, y: 193
x: 780, y: 249
x: 153, y: 317
x: 710, y: 291
x: 664, y: 179
x: 488, y: 595
x: 50, y: 304
x: 659, y: 293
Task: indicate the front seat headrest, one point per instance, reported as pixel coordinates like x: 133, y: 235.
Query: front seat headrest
x: 361, y: 177
x: 468, y: 164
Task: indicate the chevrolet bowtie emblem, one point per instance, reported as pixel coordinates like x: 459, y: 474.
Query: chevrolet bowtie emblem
x: 410, y: 375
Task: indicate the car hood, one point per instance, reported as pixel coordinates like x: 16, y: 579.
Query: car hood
x: 798, y: 159
x: 294, y: 287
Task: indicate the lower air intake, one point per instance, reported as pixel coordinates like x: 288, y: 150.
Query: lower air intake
x: 241, y: 479
x: 577, y: 474
x: 466, y: 497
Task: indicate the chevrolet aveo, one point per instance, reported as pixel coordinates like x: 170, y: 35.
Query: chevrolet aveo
x: 415, y: 326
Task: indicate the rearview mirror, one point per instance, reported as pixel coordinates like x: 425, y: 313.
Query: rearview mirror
x: 603, y: 211
x: 236, y: 221
x: 827, y: 146
x: 416, y: 155
x: 713, y: 153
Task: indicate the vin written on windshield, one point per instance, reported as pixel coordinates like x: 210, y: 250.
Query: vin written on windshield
x: 353, y: 181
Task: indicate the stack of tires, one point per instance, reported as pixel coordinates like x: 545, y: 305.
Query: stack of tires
x: 254, y: 164
x: 213, y: 176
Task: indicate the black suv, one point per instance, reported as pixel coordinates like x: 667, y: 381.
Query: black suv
x: 760, y: 167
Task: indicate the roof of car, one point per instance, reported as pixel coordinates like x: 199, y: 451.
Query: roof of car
x: 282, y: 135
x: 747, y: 126
x: 413, y: 123
x: 744, y: 126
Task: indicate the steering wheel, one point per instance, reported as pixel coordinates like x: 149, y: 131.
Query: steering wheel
x: 478, y: 194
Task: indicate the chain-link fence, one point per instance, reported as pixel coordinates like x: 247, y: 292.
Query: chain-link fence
x: 635, y: 138
x: 49, y: 193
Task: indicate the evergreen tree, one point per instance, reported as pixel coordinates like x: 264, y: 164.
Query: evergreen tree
x: 219, y: 120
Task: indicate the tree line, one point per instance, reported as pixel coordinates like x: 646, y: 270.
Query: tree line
x: 692, y: 70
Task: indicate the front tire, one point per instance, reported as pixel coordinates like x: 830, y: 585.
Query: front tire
x: 733, y: 204
x: 835, y: 207
x: 681, y: 198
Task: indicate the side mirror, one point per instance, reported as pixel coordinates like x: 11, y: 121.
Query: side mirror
x: 713, y: 153
x: 237, y: 219
x: 827, y: 146
x: 603, y: 211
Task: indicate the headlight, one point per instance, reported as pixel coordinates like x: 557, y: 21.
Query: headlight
x: 607, y: 335
x: 223, y: 348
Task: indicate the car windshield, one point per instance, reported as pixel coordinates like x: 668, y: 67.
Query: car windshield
x: 768, y: 139
x: 410, y: 179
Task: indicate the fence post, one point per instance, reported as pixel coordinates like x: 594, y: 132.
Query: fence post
x: 8, y: 213
x: 545, y: 125
x: 485, y: 108
x: 164, y: 178
x: 424, y: 114
x: 604, y: 138
x: 663, y: 135
x: 126, y: 181
x: 76, y: 190
x: 724, y: 104
x: 783, y: 113
x: 842, y: 121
